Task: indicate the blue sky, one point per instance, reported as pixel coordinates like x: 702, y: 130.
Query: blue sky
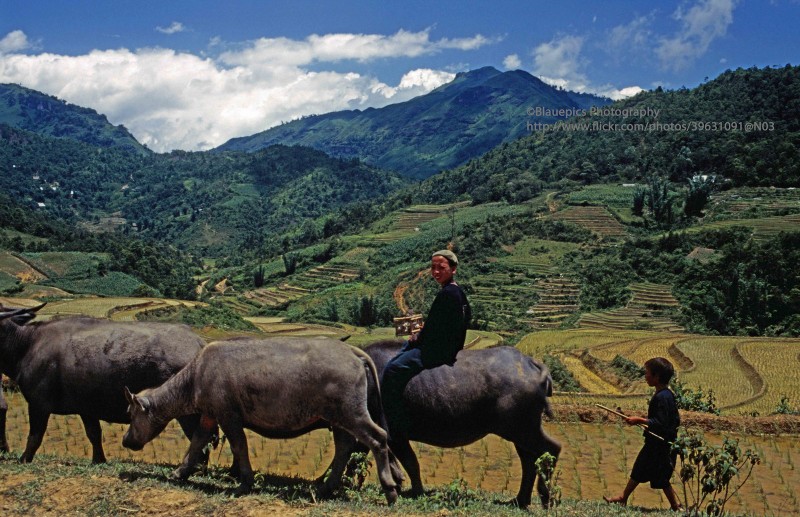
x: 191, y: 75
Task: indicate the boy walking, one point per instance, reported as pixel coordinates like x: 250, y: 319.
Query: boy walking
x: 655, y: 461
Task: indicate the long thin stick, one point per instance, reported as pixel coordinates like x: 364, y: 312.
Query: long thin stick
x: 643, y: 426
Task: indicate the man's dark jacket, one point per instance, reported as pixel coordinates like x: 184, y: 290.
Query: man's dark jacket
x: 445, y: 328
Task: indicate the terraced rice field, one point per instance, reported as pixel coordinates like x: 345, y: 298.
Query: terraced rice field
x: 537, y: 256
x: 326, y: 275
x: 558, y: 299
x: 642, y: 311
x: 594, y: 218
x: 506, y: 295
x: 409, y: 220
x: 117, y: 309
x: 276, y: 327
x: 765, y: 200
x: 763, y: 228
x: 746, y: 374
x: 277, y: 295
x: 776, y: 364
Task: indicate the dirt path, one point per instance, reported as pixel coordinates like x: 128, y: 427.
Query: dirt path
x: 400, y: 290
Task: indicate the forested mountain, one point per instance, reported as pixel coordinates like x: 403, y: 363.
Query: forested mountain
x: 743, y: 126
x: 47, y: 115
x: 209, y: 202
x: 310, y: 238
x: 458, y: 121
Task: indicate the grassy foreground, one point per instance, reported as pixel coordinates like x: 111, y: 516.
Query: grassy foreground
x: 56, y: 485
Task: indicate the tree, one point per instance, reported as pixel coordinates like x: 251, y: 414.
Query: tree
x: 289, y: 263
x: 258, y: 276
x: 700, y: 188
x: 659, y: 201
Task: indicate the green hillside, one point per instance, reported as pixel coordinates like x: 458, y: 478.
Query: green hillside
x: 196, y: 201
x: 643, y: 242
x: 34, y: 111
x: 445, y: 128
x: 763, y: 153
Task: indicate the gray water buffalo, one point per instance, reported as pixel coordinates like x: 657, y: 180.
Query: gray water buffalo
x: 494, y: 391
x: 279, y: 388
x: 81, y: 366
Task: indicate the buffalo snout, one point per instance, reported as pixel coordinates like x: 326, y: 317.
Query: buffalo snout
x: 129, y: 442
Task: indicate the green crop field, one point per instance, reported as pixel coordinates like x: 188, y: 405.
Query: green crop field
x: 595, y: 218
x: 612, y: 196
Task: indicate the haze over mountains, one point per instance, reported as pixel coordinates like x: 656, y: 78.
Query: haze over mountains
x: 445, y: 128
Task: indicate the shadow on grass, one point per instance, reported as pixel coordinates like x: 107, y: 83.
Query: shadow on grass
x: 219, y: 481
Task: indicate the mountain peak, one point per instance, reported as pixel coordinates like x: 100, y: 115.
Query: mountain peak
x: 484, y: 72
x: 442, y: 129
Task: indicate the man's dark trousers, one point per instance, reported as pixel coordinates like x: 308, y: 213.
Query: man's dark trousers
x: 396, y: 375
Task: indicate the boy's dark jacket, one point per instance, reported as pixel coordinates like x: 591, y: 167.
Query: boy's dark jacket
x: 663, y: 418
x: 445, y: 329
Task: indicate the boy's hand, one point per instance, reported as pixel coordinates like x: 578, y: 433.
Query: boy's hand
x: 635, y: 420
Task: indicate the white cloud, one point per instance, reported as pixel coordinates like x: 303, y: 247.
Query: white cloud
x: 178, y: 100
x: 174, y: 28
x: 630, y: 38
x: 268, y: 52
x: 14, y: 42
x: 704, y: 22
x: 512, y: 62
x: 560, y: 63
x: 617, y: 93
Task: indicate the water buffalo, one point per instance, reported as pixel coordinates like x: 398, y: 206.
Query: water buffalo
x: 82, y: 365
x: 3, y: 412
x: 498, y: 390
x: 279, y: 388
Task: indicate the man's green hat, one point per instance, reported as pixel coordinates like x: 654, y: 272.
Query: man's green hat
x: 449, y: 255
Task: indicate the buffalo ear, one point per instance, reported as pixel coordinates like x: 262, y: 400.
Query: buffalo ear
x: 132, y: 399
x: 128, y: 395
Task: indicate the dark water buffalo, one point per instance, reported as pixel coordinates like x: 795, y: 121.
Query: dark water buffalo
x: 499, y: 391
x: 279, y: 388
x: 81, y: 366
x: 3, y: 412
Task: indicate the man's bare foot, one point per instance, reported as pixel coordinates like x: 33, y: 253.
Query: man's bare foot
x: 615, y: 500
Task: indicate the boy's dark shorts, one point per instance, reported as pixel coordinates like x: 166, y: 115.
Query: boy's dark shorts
x: 655, y: 464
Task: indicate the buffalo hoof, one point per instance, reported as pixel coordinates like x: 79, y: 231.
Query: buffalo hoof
x: 25, y: 458
x: 3, y: 446
x: 391, y: 495
x: 516, y: 503
x: 321, y: 490
x: 181, y: 473
x: 416, y: 493
x: 243, y: 489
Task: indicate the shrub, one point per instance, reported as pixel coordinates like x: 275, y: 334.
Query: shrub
x: 562, y: 378
x: 785, y: 408
x: 217, y: 315
x: 691, y: 400
x: 546, y: 468
x: 627, y: 368
x: 707, y: 471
